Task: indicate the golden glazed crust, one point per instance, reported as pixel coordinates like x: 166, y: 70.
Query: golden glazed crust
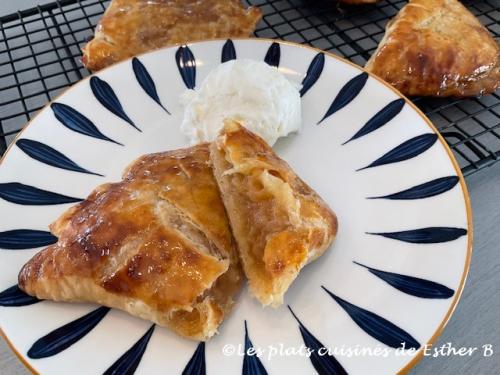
x: 279, y: 223
x: 157, y: 245
x: 437, y: 48
x: 131, y: 27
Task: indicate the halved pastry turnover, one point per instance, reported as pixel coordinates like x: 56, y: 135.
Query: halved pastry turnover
x: 437, y: 48
x: 157, y: 245
x: 280, y: 224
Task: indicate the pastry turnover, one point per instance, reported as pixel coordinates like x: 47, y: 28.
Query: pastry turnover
x: 157, y: 245
x: 280, y: 224
x: 437, y: 48
x: 130, y: 27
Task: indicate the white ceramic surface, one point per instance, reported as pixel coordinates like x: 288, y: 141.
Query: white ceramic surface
x: 318, y: 155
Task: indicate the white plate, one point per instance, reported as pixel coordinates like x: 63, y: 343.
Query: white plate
x: 412, y: 246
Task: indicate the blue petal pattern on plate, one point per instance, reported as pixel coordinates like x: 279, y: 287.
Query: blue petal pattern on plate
x: 74, y: 120
x: 425, y: 235
x: 128, y: 362
x: 406, y: 150
x: 196, y: 365
x: 46, y: 154
x: 21, y: 239
x: 425, y: 190
x: 273, y: 55
x: 29, y: 195
x: 146, y: 82
x: 65, y: 336
x: 383, y: 116
x: 412, y: 285
x: 347, y: 94
x: 324, y: 362
x: 251, y: 363
x: 186, y: 64
x: 105, y: 94
x: 376, y: 326
x: 13, y: 297
x: 228, y: 51
x: 313, y: 73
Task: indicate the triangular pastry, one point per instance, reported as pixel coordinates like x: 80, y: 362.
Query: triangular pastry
x: 280, y: 224
x: 131, y: 27
x: 157, y: 245
x: 437, y: 48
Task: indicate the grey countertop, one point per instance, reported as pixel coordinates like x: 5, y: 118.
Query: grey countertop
x: 476, y: 319
x: 12, y: 6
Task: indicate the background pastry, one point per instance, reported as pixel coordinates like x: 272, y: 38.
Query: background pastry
x: 130, y: 27
x: 279, y: 223
x: 157, y: 245
x: 437, y: 48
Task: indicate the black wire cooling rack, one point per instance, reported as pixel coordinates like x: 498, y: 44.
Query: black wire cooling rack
x: 40, y: 57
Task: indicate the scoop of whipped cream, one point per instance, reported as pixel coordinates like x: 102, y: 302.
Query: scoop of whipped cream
x: 251, y: 92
